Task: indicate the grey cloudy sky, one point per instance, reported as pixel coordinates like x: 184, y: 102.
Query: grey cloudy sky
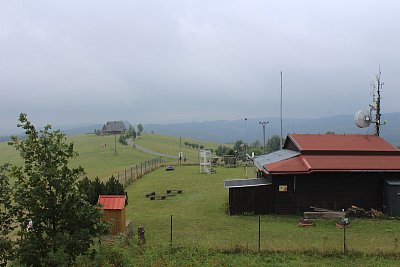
x: 68, y: 62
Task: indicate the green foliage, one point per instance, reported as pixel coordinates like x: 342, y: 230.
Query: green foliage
x: 140, y: 128
x: 92, y: 189
x: 330, y: 132
x: 97, y: 132
x: 223, y: 150
x: 114, y: 187
x: 122, y: 140
x: 6, y: 217
x: 46, y: 192
x: 238, y: 146
x: 107, y: 255
x: 273, y: 144
x: 131, y: 133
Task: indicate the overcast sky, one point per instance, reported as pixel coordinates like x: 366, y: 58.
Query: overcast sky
x: 70, y: 62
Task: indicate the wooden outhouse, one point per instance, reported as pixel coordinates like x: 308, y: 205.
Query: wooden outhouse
x: 114, y: 212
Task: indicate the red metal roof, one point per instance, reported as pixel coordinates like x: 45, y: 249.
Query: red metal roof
x: 112, y: 202
x: 323, y: 163
x: 340, y: 142
x: 353, y: 163
x: 339, y: 153
x: 292, y: 165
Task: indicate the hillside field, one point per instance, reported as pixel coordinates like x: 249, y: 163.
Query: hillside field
x: 97, y: 157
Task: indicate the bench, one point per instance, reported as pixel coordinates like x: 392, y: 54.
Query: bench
x: 151, y: 194
x: 179, y: 191
x: 159, y: 197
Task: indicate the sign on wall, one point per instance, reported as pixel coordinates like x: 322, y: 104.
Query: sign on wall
x: 283, y: 188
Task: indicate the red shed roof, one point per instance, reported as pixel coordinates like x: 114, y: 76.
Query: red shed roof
x: 323, y: 163
x: 292, y: 165
x: 340, y: 142
x: 339, y: 153
x: 112, y: 202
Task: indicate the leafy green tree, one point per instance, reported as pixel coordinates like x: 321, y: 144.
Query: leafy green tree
x: 238, y: 145
x: 330, y: 132
x: 273, y: 144
x: 140, y: 128
x: 222, y: 150
x: 6, y: 217
x: 114, y: 187
x: 46, y: 193
x: 131, y: 133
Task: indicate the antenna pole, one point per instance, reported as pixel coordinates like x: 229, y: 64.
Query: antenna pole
x: 280, y: 140
x: 378, y: 104
x: 245, y: 142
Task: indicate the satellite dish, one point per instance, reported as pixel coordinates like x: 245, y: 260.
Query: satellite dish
x: 362, y: 119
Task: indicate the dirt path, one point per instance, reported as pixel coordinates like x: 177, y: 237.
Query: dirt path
x: 148, y: 151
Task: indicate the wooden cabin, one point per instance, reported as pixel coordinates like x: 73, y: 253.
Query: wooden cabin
x: 322, y: 170
x: 114, y: 212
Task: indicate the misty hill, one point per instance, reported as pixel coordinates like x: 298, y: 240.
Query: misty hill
x: 224, y: 131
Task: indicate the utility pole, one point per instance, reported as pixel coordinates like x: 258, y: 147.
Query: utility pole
x: 115, y: 143
x: 263, y: 123
x: 245, y: 142
x: 280, y: 140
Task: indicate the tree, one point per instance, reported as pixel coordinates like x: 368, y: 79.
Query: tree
x: 92, y: 189
x: 122, y: 140
x: 46, y: 193
x: 330, y: 132
x: 6, y: 217
x: 273, y: 144
x: 114, y: 187
x: 140, y: 128
x: 131, y: 133
x: 238, y: 145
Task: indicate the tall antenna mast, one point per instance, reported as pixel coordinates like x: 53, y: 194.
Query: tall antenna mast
x: 280, y: 139
x: 376, y: 106
x: 378, y: 103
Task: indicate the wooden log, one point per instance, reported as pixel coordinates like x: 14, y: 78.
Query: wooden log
x: 324, y: 214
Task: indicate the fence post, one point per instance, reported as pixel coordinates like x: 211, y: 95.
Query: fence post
x: 125, y: 177
x: 344, y: 239
x: 130, y: 178
x: 136, y: 171
x: 118, y: 177
x: 141, y: 168
x: 259, y: 233
x: 170, y: 240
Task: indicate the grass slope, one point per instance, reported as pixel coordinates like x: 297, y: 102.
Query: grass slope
x: 200, y: 219
x: 170, y: 145
x: 95, y: 159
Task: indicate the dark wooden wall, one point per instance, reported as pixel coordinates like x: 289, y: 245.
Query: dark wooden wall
x: 335, y: 191
x: 254, y: 199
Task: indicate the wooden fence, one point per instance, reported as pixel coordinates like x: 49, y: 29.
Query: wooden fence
x: 134, y: 172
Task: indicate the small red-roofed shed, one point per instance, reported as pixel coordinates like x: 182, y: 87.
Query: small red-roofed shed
x: 114, y: 212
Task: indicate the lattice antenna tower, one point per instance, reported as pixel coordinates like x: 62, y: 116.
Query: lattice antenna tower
x: 364, y: 118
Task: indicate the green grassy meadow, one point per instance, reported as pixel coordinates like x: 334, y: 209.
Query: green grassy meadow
x: 94, y: 157
x: 200, y: 218
x: 204, y: 234
x: 170, y: 145
x: 100, y: 160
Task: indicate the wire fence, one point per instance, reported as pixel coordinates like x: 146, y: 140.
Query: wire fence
x: 273, y: 233
x: 134, y: 172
